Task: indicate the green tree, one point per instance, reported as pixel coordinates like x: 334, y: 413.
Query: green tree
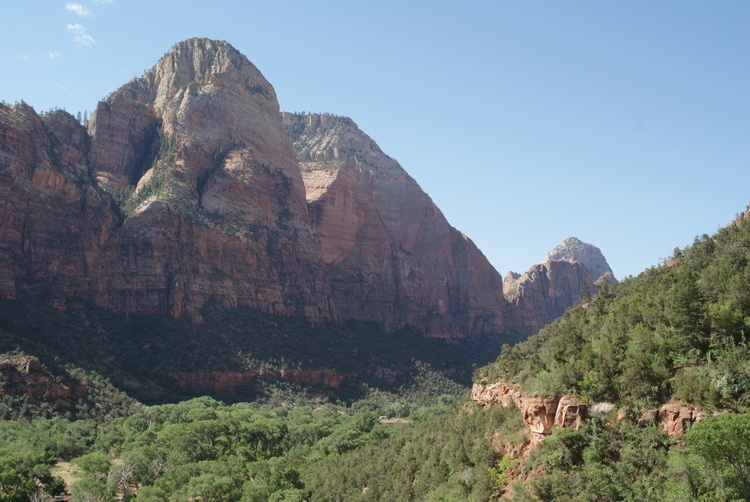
x: 95, y: 464
x: 724, y: 443
x: 23, y: 474
x: 91, y: 490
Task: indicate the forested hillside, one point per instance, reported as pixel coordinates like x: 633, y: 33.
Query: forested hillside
x: 677, y: 331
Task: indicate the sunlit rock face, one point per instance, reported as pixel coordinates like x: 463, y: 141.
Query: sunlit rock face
x: 219, y: 210
x: 545, y: 292
x: 188, y: 184
x: 567, y: 274
x: 390, y: 253
x: 573, y: 249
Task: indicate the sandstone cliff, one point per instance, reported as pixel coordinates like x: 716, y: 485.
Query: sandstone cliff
x: 573, y: 249
x: 186, y: 186
x: 219, y: 209
x: 26, y: 377
x: 540, y: 415
x: 390, y: 253
x: 53, y: 220
x: 545, y: 292
x: 566, y: 275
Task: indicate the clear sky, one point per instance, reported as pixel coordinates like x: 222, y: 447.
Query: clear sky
x: 625, y: 124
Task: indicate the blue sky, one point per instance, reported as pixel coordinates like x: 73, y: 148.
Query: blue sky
x: 625, y: 124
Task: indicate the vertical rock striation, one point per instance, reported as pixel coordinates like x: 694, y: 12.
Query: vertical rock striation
x: 390, y: 253
x: 53, y: 221
x: 566, y: 275
x: 545, y: 292
x: 219, y: 210
x: 189, y: 185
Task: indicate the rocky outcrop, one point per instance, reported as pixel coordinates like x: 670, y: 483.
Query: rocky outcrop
x: 573, y: 249
x: 676, y: 418
x: 540, y: 415
x: 545, y: 292
x: 566, y: 275
x: 390, y: 253
x: 742, y: 216
x: 26, y: 378
x: 214, y: 381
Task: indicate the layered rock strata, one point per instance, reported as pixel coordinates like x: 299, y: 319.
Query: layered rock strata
x: 27, y: 378
x: 391, y: 256
x: 223, y: 381
x: 540, y: 415
x: 185, y: 187
x: 545, y: 292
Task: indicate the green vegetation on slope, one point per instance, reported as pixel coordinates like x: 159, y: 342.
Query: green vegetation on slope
x: 203, y: 449
x: 619, y: 461
x: 447, y: 459
x: 677, y: 330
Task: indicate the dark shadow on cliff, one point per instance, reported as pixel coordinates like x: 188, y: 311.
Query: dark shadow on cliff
x: 237, y: 354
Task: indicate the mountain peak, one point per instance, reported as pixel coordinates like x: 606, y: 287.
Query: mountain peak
x: 589, y: 255
x: 202, y: 92
x: 199, y: 58
x: 199, y: 65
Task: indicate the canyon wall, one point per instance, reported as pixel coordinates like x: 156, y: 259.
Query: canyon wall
x: 391, y: 255
x: 188, y: 184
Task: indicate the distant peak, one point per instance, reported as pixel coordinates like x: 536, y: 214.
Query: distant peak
x: 203, y: 45
x: 202, y: 57
x: 572, y: 241
x: 589, y: 255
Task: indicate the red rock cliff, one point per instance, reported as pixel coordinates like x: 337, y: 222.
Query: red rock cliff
x: 186, y: 187
x: 545, y: 292
x: 391, y: 255
x: 219, y: 210
x: 540, y: 415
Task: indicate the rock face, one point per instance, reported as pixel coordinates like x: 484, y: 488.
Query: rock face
x: 540, y: 415
x: 572, y: 249
x: 219, y: 210
x: 186, y: 186
x: 223, y: 381
x: 26, y: 377
x: 53, y: 221
x: 545, y: 292
x: 390, y: 253
x: 567, y: 273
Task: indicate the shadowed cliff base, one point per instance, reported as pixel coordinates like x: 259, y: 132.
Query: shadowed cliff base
x: 236, y: 354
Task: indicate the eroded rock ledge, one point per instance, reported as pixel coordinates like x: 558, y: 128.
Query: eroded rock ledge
x: 541, y: 415
x: 27, y: 377
x: 222, y: 381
